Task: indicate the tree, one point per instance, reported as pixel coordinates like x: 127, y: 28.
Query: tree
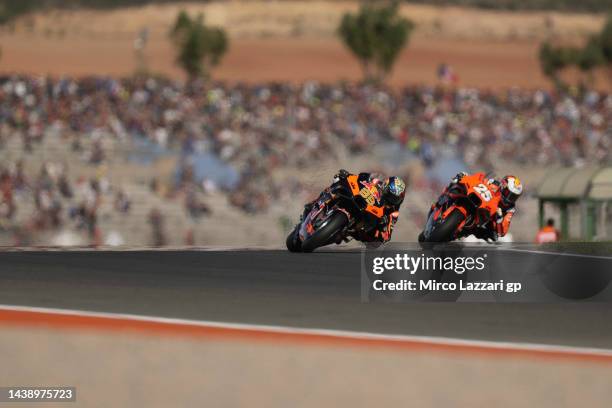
x: 596, y: 52
x: 550, y: 61
x: 590, y: 57
x: 10, y: 9
x: 605, y: 41
x: 375, y: 35
x: 182, y: 25
x: 199, y: 47
x: 555, y: 59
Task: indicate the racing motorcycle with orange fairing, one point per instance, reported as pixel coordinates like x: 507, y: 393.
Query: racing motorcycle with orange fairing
x: 347, y: 209
x: 467, y: 207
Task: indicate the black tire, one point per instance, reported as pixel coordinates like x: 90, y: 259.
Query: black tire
x: 324, y: 235
x: 445, y: 230
x: 293, y: 240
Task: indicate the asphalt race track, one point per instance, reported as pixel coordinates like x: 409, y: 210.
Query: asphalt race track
x: 320, y: 290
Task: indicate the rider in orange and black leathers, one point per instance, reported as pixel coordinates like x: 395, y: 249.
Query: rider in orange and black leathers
x: 509, y: 189
x: 389, y: 194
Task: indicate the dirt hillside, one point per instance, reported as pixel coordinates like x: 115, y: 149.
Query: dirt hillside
x: 292, y: 41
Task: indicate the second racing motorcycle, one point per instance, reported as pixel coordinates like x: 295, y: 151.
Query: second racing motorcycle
x: 467, y: 207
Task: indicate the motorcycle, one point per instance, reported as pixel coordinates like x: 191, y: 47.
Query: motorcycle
x: 346, y: 210
x: 467, y: 207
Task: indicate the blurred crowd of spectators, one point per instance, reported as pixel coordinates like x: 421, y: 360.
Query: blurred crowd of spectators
x: 262, y: 126
x: 258, y: 128
x: 37, y: 205
x: 53, y: 200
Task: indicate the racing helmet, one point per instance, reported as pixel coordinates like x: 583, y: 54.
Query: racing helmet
x: 510, y: 189
x: 394, y: 191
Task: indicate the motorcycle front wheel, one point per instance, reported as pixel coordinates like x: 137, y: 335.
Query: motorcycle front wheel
x: 446, y: 229
x: 293, y: 240
x: 326, y: 233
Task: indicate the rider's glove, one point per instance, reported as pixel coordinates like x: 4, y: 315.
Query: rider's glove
x: 459, y: 176
x: 341, y: 175
x: 494, y: 182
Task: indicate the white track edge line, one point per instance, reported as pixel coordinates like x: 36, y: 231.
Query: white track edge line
x: 550, y: 348
x: 533, y: 251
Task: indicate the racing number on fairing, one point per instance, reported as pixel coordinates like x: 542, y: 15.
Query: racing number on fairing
x: 483, y: 191
x: 367, y: 196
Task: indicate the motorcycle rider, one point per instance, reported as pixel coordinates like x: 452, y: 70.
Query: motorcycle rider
x: 389, y: 194
x: 509, y: 189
